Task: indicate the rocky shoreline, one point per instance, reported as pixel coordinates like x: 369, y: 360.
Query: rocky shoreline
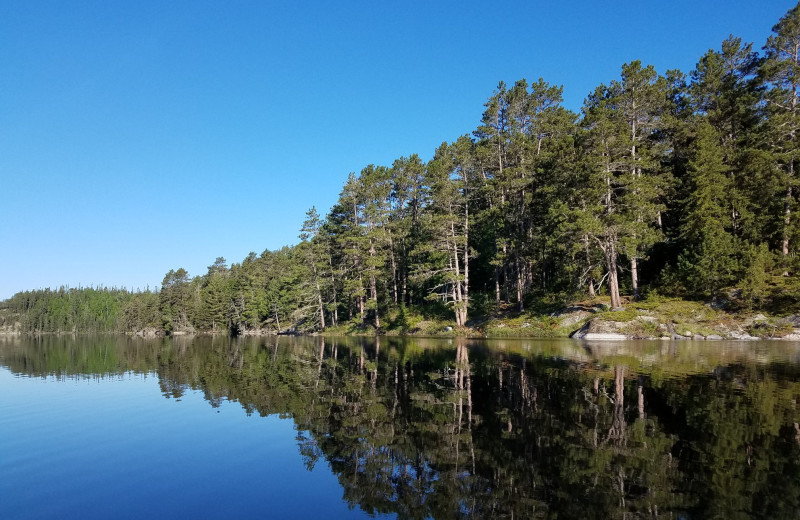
x: 664, y: 319
x: 704, y: 325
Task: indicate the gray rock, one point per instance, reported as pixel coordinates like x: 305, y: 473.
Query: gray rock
x: 604, y: 336
x: 602, y: 330
x: 754, y: 320
x: 713, y: 337
x: 793, y: 320
x: 571, y: 316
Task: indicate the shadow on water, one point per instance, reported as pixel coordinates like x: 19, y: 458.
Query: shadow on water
x: 505, y: 428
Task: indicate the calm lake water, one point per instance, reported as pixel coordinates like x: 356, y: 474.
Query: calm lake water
x: 107, y: 427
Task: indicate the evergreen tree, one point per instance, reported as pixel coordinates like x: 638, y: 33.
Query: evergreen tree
x: 724, y: 92
x: 312, y: 252
x: 710, y: 259
x: 781, y: 70
x: 638, y: 100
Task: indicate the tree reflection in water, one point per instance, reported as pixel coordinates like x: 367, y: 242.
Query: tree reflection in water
x: 549, y: 429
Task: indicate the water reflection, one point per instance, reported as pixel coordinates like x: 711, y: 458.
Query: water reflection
x: 503, y: 429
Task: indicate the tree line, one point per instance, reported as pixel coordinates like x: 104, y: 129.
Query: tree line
x: 678, y: 184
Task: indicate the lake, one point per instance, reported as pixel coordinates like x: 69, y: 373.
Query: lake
x: 299, y: 427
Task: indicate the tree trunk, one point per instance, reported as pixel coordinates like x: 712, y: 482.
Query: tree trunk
x: 787, y: 216
x: 333, y: 288
x: 518, y: 264
x: 373, y: 287
x: 374, y: 294
x: 496, y: 278
x: 456, y: 291
x: 635, y: 278
x: 321, y: 308
x: 589, y: 279
x: 319, y: 297
x: 466, y: 260
x: 394, y: 271
x: 505, y: 275
x: 610, y: 252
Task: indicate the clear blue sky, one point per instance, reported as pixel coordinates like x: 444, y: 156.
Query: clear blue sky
x: 137, y: 137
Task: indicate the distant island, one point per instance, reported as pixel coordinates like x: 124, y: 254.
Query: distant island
x: 666, y: 208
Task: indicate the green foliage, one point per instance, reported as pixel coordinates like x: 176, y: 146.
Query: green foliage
x: 84, y: 310
x: 684, y: 184
x: 754, y: 285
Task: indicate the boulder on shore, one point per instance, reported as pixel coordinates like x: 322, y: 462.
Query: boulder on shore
x: 601, y: 330
x: 572, y: 316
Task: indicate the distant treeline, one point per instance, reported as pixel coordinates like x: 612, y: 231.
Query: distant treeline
x: 681, y: 184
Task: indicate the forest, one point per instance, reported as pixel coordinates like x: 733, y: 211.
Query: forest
x: 665, y: 184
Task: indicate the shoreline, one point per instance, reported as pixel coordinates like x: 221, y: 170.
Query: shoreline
x: 592, y: 320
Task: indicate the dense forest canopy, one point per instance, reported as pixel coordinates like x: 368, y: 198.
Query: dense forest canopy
x: 681, y: 184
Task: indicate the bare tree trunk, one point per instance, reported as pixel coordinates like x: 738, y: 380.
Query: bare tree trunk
x: 404, y: 273
x: 610, y: 253
x: 496, y: 282
x: 787, y: 216
x: 373, y: 287
x: 635, y: 277
x: 457, y: 296
x: 333, y: 288
x: 321, y: 308
x: 319, y: 296
x: 466, y: 258
x: 520, y: 304
x: 505, y: 275
x: 374, y: 294
x: 394, y: 271
x: 589, y: 279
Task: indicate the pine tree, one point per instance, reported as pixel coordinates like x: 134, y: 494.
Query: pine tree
x: 781, y: 69
x: 638, y: 100
x: 724, y: 92
x: 709, y: 260
x: 443, y: 259
x: 313, y: 255
x: 596, y: 216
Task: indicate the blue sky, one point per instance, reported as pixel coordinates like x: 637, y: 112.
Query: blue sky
x: 138, y: 137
